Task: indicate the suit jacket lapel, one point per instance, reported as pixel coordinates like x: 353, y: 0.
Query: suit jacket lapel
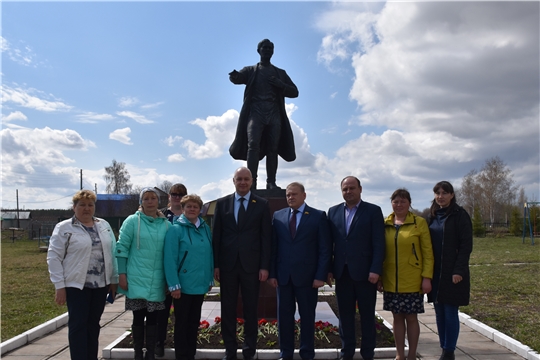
x: 230, y: 207
x: 358, y: 213
x: 303, y: 219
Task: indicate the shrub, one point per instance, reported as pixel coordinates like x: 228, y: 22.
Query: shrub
x: 478, y: 225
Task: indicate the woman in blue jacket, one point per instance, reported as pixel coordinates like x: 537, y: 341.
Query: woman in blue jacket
x: 140, y: 266
x: 189, y: 269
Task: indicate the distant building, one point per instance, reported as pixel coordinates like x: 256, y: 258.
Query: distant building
x: 10, y: 219
x: 115, y: 208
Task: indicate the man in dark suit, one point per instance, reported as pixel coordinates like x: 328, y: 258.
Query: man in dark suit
x: 242, y: 250
x: 357, y: 229
x: 301, y: 252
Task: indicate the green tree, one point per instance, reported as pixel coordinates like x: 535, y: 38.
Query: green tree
x: 516, y: 222
x: 478, y: 225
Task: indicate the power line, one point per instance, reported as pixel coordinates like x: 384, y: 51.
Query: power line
x: 40, y: 202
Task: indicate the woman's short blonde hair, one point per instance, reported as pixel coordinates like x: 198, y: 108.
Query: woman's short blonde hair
x: 191, y: 198
x: 84, y: 194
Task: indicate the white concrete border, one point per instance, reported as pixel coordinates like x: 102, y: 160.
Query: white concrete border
x: 109, y: 352
x: 264, y: 354
x: 34, y: 333
x: 499, y: 338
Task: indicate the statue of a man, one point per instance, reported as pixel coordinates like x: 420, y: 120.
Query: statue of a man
x: 263, y: 127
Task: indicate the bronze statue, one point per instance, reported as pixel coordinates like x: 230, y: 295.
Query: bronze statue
x: 263, y: 127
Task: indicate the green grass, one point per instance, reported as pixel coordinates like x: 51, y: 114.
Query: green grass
x: 504, y: 287
x: 27, y: 292
x: 504, y: 295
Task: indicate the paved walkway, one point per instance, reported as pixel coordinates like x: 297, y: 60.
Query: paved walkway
x: 115, y: 321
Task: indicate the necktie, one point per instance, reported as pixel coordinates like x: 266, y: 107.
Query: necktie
x: 241, y: 211
x: 292, y: 223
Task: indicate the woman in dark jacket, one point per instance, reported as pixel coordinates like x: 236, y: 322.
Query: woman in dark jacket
x: 450, y: 228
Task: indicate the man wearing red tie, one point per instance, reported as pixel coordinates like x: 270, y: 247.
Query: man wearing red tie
x: 301, y: 251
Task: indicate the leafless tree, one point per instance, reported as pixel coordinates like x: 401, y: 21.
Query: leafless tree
x: 492, y: 189
x: 522, y: 198
x: 165, y: 186
x: 117, y: 178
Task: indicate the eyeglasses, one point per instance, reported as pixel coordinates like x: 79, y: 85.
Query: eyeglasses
x: 176, y: 195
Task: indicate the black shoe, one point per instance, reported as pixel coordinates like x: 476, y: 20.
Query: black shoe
x: 272, y: 186
x: 160, y: 350
x: 229, y: 357
x: 447, y: 355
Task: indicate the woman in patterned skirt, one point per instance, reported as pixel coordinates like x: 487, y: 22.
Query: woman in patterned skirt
x: 140, y: 266
x: 407, y: 271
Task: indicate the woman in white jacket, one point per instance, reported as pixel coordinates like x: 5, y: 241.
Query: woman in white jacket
x: 83, y: 270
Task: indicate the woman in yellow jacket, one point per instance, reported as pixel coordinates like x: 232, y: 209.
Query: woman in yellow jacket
x: 407, y: 271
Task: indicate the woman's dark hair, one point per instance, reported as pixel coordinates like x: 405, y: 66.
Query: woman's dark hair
x: 177, y: 188
x: 401, y: 193
x: 446, y: 186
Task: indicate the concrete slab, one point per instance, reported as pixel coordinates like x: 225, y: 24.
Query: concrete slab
x: 483, y: 348
x: 498, y: 357
x: 37, y: 349
x: 472, y: 344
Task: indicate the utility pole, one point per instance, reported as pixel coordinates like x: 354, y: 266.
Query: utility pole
x: 81, y: 179
x: 95, y: 184
x: 18, y: 221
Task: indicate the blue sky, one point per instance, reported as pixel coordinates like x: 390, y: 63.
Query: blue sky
x: 398, y: 94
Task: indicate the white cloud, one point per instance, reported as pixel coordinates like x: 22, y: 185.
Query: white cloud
x: 121, y: 135
x: 141, y: 119
x: 4, y: 44
x: 22, y: 56
x: 171, y: 140
x: 453, y: 83
x: 24, y: 97
x: 93, y: 118
x: 34, y: 157
x: 176, y: 158
x: 16, y: 115
x: 150, y: 106
x: 127, y: 101
x: 219, y: 132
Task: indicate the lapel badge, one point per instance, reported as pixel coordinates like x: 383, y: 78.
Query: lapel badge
x: 306, y: 212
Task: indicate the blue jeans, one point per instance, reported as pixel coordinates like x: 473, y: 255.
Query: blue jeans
x: 84, y: 308
x: 447, y: 325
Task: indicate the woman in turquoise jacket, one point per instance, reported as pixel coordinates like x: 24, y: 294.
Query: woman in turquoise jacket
x: 407, y: 271
x: 140, y: 267
x: 189, y: 269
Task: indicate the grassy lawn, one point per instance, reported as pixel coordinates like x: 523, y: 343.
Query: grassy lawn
x: 27, y: 292
x: 504, y: 291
